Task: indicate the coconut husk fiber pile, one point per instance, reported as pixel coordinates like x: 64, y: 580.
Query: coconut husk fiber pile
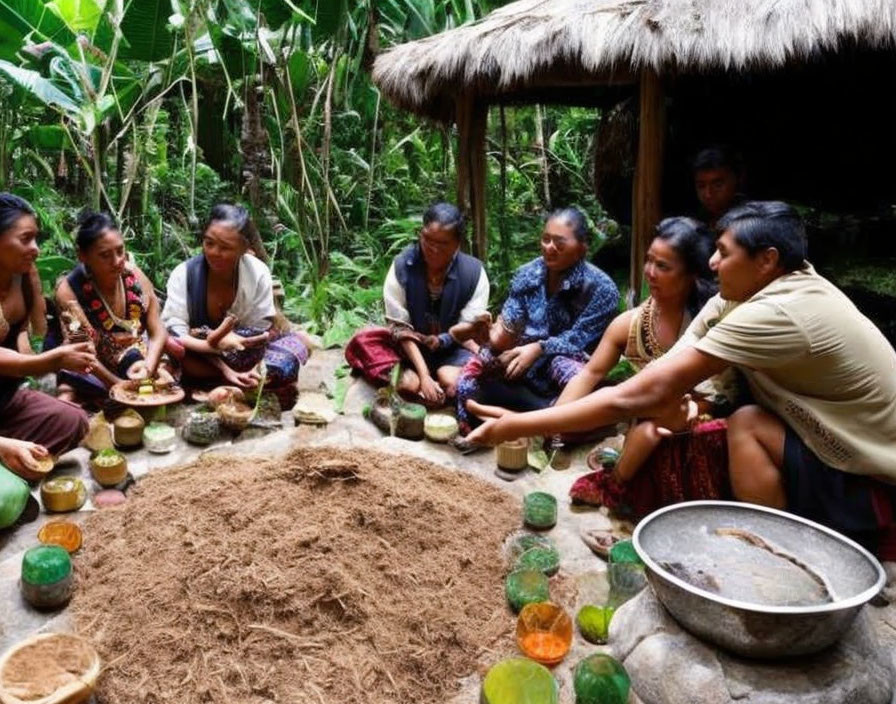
x: 329, y: 576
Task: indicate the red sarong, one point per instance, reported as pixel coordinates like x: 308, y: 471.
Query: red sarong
x: 372, y: 353
x: 684, y: 467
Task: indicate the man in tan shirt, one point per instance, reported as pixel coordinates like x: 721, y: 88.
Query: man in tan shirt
x: 821, y: 441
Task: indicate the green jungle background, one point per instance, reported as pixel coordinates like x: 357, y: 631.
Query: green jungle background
x: 269, y: 103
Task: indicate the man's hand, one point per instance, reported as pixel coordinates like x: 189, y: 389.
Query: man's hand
x: 491, y: 432
x: 22, y: 457
x: 430, y: 390
x: 76, y: 358
x: 518, y: 360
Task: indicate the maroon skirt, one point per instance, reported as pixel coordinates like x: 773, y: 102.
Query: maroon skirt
x: 684, y: 467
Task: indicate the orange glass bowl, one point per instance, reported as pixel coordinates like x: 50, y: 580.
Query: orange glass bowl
x: 544, y: 632
x: 63, y: 533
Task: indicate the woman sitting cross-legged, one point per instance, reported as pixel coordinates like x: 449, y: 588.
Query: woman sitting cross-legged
x: 220, y: 306
x: 655, y: 468
x: 28, y: 415
x: 432, y: 290
x: 113, y: 303
x: 556, y: 312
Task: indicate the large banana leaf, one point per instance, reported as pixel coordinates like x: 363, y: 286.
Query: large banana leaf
x: 20, y: 19
x: 145, y: 29
x: 329, y: 18
x: 79, y: 15
x: 38, y: 87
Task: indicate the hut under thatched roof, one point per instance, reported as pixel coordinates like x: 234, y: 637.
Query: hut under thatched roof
x: 584, y: 52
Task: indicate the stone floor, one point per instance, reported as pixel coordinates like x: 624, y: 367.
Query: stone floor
x: 17, y: 620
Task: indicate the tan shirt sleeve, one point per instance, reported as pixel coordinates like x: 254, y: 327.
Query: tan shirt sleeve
x: 756, y: 335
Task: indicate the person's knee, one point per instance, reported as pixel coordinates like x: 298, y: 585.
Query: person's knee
x: 409, y: 382
x: 746, y: 419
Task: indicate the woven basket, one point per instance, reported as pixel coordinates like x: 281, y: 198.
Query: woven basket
x: 77, y: 669
x: 234, y: 415
x: 512, y: 456
x: 127, y: 430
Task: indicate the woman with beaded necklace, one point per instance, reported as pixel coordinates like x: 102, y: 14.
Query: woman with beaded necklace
x: 680, y: 282
x: 112, y: 303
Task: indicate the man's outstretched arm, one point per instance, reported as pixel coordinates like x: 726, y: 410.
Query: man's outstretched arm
x: 645, y: 395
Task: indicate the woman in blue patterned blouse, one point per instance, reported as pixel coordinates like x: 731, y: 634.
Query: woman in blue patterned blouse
x: 556, y: 312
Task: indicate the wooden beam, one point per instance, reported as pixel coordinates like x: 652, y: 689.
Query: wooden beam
x: 648, y: 184
x: 463, y: 119
x: 478, y: 178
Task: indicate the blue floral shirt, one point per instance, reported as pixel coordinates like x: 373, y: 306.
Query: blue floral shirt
x: 572, y: 321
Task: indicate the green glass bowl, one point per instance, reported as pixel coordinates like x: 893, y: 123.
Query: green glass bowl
x: 519, y: 681
x: 46, y: 564
x: 540, y: 510
x: 526, y: 587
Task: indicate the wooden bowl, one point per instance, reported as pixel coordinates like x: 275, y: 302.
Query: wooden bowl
x: 62, y: 494
x: 108, y: 468
x: 44, y: 467
x: 69, y: 669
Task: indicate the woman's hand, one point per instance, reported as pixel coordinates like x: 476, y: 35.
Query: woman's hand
x: 79, y: 357
x: 22, y: 457
x: 245, y: 380
x: 232, y: 341
x: 518, y: 360
x: 139, y: 370
x: 430, y: 390
x: 431, y: 342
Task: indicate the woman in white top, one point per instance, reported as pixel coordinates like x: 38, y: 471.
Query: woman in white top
x: 220, y: 306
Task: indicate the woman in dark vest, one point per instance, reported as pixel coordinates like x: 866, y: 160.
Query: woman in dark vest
x: 431, y: 287
x: 114, y: 303
x: 220, y: 306
x: 43, y: 423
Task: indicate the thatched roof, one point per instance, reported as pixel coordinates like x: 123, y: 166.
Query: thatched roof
x: 530, y: 44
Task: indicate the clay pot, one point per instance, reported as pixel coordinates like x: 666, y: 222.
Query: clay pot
x: 109, y: 468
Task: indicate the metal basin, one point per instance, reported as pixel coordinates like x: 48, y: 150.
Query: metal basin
x: 680, y: 541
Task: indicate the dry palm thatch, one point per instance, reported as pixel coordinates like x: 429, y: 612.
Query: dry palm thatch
x: 531, y: 43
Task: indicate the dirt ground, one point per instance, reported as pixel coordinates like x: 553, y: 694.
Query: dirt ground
x: 580, y: 571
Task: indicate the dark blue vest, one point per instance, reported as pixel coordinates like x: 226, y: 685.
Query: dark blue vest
x: 197, y: 292
x: 460, y: 284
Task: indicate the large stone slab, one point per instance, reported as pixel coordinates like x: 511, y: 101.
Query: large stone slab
x: 668, y: 665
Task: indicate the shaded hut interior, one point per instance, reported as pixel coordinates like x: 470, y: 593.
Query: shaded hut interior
x: 814, y: 124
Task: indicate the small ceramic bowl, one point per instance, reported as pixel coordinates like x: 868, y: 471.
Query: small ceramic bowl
x: 108, y: 467
x: 63, y: 494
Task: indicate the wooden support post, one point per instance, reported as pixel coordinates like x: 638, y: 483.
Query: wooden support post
x: 463, y: 118
x: 478, y: 178
x: 648, y: 184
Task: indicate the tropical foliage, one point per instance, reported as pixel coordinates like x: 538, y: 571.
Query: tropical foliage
x: 156, y: 109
